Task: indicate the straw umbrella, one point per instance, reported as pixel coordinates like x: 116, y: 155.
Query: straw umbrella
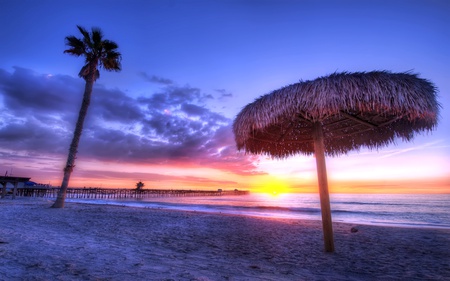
x: 333, y: 115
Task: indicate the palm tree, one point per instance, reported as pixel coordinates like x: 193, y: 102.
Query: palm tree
x: 98, y: 53
x: 139, y: 185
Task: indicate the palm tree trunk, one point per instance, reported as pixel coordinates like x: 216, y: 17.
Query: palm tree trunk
x: 61, y: 197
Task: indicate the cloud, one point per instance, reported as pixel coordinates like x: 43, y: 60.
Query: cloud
x: 25, y: 91
x: 173, y: 125
x: 156, y: 79
x: 115, y: 106
x: 393, y: 152
x: 154, y: 178
x: 224, y: 94
x: 193, y: 110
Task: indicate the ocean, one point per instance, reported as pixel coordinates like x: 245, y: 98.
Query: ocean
x: 405, y: 210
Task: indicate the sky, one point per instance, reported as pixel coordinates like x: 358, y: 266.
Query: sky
x: 188, y: 68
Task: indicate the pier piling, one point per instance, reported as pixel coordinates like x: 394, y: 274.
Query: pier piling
x: 108, y: 193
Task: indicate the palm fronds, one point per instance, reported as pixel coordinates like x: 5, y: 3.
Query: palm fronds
x: 98, y: 52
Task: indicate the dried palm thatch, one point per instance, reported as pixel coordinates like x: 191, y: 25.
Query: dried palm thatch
x: 336, y: 114
x: 363, y: 109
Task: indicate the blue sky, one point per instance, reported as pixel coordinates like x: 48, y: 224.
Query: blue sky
x: 188, y: 68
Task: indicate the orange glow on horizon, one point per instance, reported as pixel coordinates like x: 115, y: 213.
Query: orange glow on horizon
x: 290, y: 176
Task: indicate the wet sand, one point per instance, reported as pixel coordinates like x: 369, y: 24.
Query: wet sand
x: 101, y: 242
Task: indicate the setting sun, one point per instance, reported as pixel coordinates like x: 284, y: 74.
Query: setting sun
x: 272, y: 185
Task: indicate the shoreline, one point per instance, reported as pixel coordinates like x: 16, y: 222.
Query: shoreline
x: 105, y: 242
x: 183, y: 208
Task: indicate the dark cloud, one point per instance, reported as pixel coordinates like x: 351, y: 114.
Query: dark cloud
x: 26, y: 92
x: 193, y: 110
x: 34, y: 136
x: 173, y: 95
x: 156, y: 79
x: 38, y: 113
x: 224, y: 94
x: 114, y: 105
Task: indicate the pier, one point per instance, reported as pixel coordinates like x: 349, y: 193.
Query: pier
x: 110, y: 193
x: 14, y: 181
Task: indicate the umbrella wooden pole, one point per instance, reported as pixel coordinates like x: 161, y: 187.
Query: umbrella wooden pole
x: 319, y: 149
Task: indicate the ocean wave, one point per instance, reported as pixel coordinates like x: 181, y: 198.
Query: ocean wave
x: 370, y: 203
x: 278, y: 209
x: 399, y: 212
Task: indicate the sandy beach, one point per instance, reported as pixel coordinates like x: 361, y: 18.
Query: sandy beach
x: 100, y: 242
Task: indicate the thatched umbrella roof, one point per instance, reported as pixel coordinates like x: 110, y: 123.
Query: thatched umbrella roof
x: 363, y: 109
x: 336, y: 114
